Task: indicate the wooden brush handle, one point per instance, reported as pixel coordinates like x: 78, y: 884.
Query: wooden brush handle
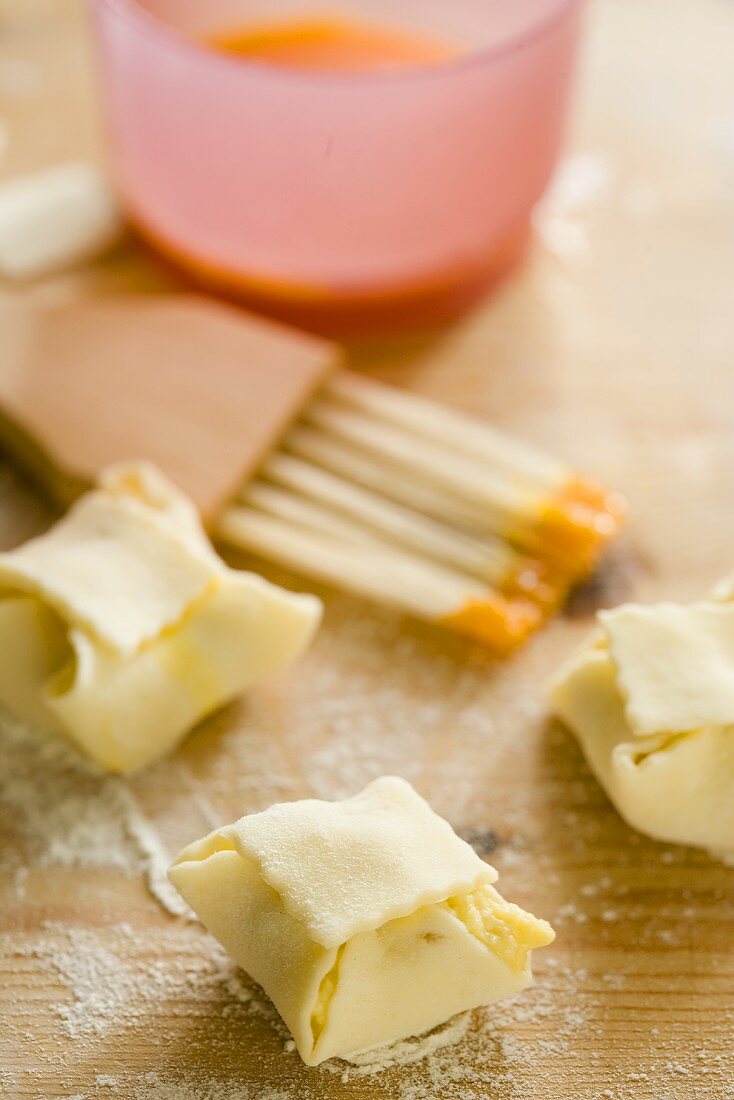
x: 200, y: 389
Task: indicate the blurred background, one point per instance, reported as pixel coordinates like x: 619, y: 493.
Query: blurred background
x: 607, y: 340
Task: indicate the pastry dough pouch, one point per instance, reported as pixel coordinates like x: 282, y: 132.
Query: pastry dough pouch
x: 121, y: 628
x: 651, y: 699
x: 365, y: 921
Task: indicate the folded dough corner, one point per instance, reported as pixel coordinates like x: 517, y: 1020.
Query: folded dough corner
x: 365, y: 921
x: 650, y: 697
x: 120, y: 627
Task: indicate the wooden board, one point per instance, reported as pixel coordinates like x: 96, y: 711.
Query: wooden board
x: 614, y: 348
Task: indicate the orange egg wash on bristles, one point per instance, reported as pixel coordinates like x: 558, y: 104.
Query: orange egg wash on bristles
x: 578, y: 523
x: 500, y: 624
x: 541, y: 582
x: 571, y: 534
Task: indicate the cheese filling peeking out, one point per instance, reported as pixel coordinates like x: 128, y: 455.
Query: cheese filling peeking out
x: 504, y: 928
x: 327, y: 989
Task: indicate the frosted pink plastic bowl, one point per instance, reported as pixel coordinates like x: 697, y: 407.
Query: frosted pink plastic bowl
x: 342, y: 201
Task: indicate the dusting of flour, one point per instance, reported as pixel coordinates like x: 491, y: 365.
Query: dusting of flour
x: 71, y: 815
x: 149, y: 1007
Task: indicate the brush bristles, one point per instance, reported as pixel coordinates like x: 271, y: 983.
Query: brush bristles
x: 411, y: 504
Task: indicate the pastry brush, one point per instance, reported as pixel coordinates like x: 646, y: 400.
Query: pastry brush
x: 293, y: 458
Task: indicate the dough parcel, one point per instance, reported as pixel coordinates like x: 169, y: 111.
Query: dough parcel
x: 365, y: 921
x: 120, y: 627
x: 650, y: 697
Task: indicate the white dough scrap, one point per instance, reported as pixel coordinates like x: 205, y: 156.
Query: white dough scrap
x: 650, y: 697
x: 121, y: 627
x: 366, y: 921
x: 54, y: 218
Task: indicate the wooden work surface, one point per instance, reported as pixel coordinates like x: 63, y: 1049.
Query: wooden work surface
x: 613, y: 347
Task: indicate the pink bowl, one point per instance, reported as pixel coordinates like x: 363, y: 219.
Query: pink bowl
x: 342, y: 201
